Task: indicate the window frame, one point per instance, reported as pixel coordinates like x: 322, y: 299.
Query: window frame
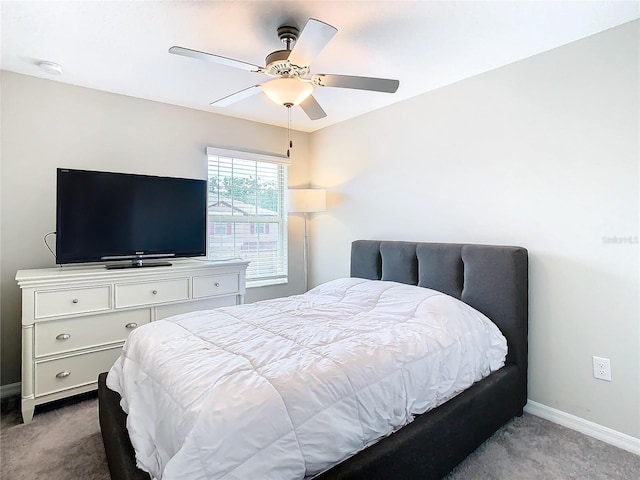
x: 214, y: 154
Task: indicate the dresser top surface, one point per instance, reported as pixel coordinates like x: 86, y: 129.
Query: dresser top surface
x: 100, y: 272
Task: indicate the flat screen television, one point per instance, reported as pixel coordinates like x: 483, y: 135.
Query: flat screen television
x: 108, y: 217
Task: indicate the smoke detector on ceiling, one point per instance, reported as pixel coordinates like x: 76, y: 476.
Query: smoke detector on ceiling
x: 51, y: 68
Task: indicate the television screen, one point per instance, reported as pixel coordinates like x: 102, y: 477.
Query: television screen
x: 102, y: 216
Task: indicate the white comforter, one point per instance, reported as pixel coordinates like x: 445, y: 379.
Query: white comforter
x: 286, y: 388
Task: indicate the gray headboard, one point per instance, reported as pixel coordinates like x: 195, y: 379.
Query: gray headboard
x: 492, y: 279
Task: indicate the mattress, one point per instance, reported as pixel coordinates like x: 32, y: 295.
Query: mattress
x: 286, y: 388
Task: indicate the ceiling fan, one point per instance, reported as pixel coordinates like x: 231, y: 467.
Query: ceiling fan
x: 293, y: 83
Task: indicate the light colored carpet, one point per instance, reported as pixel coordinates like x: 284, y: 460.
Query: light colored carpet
x: 63, y: 442
x: 531, y: 448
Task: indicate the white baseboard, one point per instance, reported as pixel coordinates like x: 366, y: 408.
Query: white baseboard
x: 10, y: 390
x: 605, y: 434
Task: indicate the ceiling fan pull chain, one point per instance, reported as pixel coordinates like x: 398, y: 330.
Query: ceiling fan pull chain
x: 289, y: 130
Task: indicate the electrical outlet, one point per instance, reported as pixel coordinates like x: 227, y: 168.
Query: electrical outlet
x: 602, y: 368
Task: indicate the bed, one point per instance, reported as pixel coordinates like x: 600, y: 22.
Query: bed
x: 491, y: 279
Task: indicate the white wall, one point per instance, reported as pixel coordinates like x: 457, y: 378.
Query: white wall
x: 47, y: 124
x: 544, y: 154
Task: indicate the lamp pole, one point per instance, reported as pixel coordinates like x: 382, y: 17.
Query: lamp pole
x: 306, y: 255
x: 305, y: 201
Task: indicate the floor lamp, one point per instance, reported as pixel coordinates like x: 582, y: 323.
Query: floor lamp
x: 307, y: 200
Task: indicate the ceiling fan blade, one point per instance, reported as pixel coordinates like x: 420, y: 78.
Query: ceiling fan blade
x: 313, y: 38
x: 237, y: 96
x: 360, y: 83
x: 210, y: 57
x: 312, y: 108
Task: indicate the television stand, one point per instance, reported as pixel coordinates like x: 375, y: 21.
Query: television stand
x: 139, y: 263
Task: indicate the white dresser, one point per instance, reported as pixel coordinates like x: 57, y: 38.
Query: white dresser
x: 76, y: 319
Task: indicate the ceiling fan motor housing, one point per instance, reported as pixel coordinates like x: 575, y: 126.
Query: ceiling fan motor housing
x: 277, y: 63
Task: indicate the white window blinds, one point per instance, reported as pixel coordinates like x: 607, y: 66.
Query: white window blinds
x: 247, y: 218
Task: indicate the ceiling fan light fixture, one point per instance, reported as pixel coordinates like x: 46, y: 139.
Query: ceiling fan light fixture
x: 287, y: 91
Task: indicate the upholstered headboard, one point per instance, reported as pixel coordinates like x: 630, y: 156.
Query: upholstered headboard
x: 492, y: 279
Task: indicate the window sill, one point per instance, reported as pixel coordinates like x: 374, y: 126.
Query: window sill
x: 266, y: 283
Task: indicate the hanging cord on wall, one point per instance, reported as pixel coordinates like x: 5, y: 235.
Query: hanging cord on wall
x: 289, y: 105
x: 47, y: 245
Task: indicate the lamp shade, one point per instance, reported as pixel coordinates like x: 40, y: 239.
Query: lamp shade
x: 306, y: 200
x: 287, y: 91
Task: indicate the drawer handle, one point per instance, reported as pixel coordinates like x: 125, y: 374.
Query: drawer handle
x: 64, y: 374
x: 131, y: 325
x: 217, y: 284
x: 75, y: 300
x: 155, y: 292
x: 63, y: 336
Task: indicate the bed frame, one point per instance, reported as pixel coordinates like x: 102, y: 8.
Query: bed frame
x: 492, y: 279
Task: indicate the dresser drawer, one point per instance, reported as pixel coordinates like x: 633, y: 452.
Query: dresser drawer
x: 149, y: 293
x: 58, y: 336
x: 213, y: 285
x: 54, y: 303
x: 75, y: 371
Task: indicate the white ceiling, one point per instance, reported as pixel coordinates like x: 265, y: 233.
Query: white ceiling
x: 121, y: 46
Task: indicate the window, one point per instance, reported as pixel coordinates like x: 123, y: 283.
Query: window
x: 246, y: 212
x: 221, y: 229
x: 260, y: 228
